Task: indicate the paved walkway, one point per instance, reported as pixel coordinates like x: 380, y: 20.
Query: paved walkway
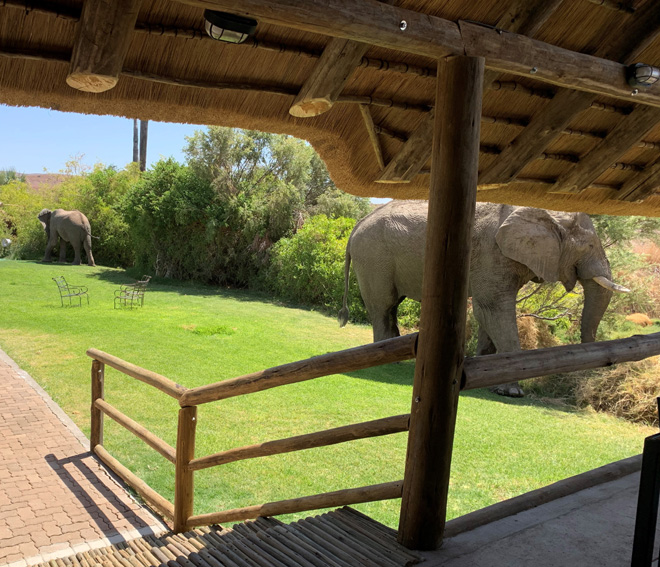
x: 55, y: 498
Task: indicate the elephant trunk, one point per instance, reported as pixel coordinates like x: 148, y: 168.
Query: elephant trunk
x: 596, y: 300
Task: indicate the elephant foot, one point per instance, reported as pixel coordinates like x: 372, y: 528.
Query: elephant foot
x: 511, y: 390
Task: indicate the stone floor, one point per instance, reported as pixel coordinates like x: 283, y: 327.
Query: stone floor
x: 55, y: 498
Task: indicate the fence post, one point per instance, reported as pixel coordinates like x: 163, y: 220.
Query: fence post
x: 183, y: 482
x: 98, y: 376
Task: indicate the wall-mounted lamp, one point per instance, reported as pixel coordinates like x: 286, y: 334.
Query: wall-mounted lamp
x: 228, y: 27
x: 642, y: 75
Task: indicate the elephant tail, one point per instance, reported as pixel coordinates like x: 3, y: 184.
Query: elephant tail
x: 343, y: 314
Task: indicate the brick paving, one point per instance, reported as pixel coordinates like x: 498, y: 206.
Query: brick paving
x: 55, y: 497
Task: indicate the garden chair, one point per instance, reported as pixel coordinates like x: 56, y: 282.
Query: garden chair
x: 70, y: 292
x: 132, y: 295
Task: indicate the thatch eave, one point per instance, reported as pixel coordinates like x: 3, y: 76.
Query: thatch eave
x: 172, y: 72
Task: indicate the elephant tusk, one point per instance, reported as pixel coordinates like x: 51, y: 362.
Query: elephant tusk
x: 607, y: 284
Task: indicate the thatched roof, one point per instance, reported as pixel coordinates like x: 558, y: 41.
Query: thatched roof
x: 560, y: 130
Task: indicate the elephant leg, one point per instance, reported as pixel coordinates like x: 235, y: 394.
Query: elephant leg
x: 49, y: 248
x: 484, y: 343
x: 76, y: 252
x: 498, y: 328
x: 383, y: 319
x: 62, y: 251
x: 87, y: 243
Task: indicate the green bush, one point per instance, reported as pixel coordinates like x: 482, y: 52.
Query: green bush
x: 18, y: 220
x: 308, y: 267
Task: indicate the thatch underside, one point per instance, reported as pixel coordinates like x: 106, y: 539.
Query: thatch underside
x: 602, y: 158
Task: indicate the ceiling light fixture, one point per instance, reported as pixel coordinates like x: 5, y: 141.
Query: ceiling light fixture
x: 642, y: 75
x: 228, y: 27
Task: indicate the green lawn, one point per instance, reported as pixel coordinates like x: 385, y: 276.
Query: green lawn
x: 196, y: 335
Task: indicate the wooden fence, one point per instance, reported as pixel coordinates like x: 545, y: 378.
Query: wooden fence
x: 478, y: 372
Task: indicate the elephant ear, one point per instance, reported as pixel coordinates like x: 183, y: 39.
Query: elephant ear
x: 44, y: 217
x: 533, y: 238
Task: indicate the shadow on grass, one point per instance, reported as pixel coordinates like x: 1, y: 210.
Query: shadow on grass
x: 402, y: 374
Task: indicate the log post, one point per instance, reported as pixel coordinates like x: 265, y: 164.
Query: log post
x: 183, y: 481
x: 98, y: 376
x: 452, y: 199
x: 102, y: 41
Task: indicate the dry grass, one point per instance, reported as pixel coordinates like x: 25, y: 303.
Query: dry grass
x: 649, y: 276
x: 628, y: 391
x: 535, y: 333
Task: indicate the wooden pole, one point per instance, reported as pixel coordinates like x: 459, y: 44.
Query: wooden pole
x: 98, y: 375
x: 183, y: 481
x: 452, y: 199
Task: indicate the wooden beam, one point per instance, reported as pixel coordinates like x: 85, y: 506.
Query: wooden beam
x: 366, y: 356
x: 493, y: 369
x: 136, y: 429
x: 376, y: 23
x: 627, y: 133
x: 324, y: 85
x: 439, y: 364
x: 147, y: 376
x: 413, y: 156
x: 642, y: 185
x: 373, y: 135
x: 522, y: 16
x: 375, y: 428
x: 102, y: 40
x: 542, y: 129
x: 374, y: 493
x: 153, y: 499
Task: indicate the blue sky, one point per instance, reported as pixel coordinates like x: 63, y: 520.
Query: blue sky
x: 35, y: 139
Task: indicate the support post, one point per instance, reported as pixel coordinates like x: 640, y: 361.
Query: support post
x: 183, y: 481
x: 98, y: 377
x: 438, y: 368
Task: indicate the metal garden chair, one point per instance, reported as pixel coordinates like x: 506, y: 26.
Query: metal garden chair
x: 132, y: 295
x: 70, y: 292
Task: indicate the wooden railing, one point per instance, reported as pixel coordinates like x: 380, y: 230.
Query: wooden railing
x: 183, y: 455
x: 478, y: 372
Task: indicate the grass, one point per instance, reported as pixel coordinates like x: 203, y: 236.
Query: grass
x: 196, y: 335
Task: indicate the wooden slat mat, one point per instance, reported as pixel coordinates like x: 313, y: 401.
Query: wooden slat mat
x: 340, y: 538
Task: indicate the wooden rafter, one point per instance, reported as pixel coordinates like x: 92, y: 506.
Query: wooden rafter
x: 522, y: 16
x: 628, y: 132
x: 373, y: 135
x: 379, y: 24
x: 642, y: 185
x: 324, y: 85
x: 337, y: 63
x: 531, y: 142
x: 102, y: 41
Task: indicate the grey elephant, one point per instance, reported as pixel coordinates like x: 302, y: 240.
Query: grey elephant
x: 68, y: 226
x: 510, y: 246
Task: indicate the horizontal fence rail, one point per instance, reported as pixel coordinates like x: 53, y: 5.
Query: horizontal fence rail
x: 378, y: 427
x: 147, y: 376
x: 138, y: 430
x: 494, y: 369
x: 155, y: 500
x: 376, y: 492
x: 358, y: 358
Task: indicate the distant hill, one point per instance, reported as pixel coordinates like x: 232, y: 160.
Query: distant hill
x: 43, y: 181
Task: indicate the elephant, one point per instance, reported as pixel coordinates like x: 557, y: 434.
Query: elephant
x: 68, y: 226
x: 510, y: 246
